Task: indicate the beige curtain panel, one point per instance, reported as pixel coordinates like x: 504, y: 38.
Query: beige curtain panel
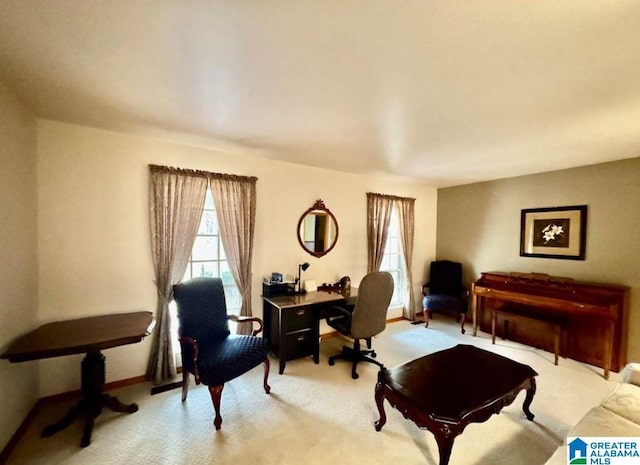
x: 235, y: 200
x: 378, y: 217
x: 176, y: 200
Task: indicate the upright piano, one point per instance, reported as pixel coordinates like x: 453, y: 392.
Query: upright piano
x: 595, y: 315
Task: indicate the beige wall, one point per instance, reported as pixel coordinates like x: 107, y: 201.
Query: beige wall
x: 18, y: 256
x: 479, y: 225
x: 94, y: 229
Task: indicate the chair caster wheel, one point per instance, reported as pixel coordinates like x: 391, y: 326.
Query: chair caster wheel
x: 355, y: 375
x: 331, y: 362
x: 374, y: 355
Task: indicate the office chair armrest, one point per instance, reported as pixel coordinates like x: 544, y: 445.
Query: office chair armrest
x: 248, y: 319
x: 192, y: 345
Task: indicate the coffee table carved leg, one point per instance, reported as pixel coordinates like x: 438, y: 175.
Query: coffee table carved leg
x: 528, y: 399
x: 444, y: 438
x: 380, y: 403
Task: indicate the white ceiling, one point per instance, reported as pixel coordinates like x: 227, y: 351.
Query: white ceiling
x: 450, y: 92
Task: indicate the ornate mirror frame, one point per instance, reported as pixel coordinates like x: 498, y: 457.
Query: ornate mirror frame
x: 329, y: 220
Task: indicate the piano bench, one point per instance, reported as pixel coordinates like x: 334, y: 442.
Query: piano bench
x: 556, y: 326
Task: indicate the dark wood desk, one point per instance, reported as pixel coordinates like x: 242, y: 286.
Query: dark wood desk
x: 292, y: 322
x: 85, y: 335
x: 445, y: 391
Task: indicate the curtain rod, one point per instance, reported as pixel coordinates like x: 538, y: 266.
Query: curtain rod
x: 388, y: 196
x: 204, y: 174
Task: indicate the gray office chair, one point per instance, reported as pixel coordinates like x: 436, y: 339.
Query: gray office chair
x: 364, y: 320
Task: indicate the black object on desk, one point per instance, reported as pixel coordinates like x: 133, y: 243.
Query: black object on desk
x: 292, y: 322
x: 84, y: 335
x: 275, y: 289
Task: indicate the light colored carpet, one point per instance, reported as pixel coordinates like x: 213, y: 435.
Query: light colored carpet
x: 316, y: 414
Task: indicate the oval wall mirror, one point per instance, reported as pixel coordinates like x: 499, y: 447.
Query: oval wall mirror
x: 318, y: 230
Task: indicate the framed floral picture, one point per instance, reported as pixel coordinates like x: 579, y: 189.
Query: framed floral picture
x: 556, y: 232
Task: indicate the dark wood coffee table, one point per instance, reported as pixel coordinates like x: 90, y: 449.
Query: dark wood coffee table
x: 445, y: 391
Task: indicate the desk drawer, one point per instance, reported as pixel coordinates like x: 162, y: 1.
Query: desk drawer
x: 300, y: 344
x: 298, y: 318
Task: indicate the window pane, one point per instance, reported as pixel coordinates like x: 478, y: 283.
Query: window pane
x: 208, y: 224
x: 233, y: 298
x: 208, y: 258
x: 393, y: 261
x: 205, y: 248
x: 392, y: 244
x: 385, y: 263
x: 225, y: 273
x: 396, y: 282
x: 208, y: 201
x: 187, y: 273
x: 205, y: 269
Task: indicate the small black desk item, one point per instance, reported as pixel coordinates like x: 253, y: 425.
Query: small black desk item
x: 292, y: 322
x: 84, y: 335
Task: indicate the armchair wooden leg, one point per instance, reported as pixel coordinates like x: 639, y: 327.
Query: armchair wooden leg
x: 427, y: 316
x: 216, y: 395
x: 267, y: 388
x: 185, y: 384
x: 463, y: 318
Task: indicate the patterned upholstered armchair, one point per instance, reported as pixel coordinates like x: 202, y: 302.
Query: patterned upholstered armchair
x: 446, y: 293
x: 209, y: 351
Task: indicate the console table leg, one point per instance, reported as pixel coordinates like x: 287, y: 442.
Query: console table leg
x: 93, y: 399
x: 69, y: 418
x: 113, y: 404
x: 86, y: 432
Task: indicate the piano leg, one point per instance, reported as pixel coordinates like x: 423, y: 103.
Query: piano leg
x: 494, y: 316
x: 474, y: 310
x: 608, y: 352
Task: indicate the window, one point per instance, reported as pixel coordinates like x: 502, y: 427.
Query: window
x: 393, y: 260
x: 208, y: 258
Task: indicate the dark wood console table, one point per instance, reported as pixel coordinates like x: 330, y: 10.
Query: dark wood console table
x: 85, y: 335
x: 595, y: 315
x: 292, y: 322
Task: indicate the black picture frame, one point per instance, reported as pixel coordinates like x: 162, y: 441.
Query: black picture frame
x: 554, y: 232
